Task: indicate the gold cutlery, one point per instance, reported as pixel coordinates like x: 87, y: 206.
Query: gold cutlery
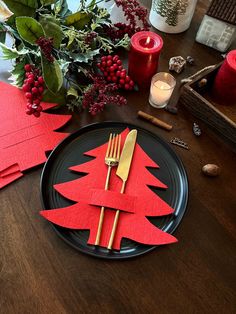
x: 111, y: 160
x: 123, y: 172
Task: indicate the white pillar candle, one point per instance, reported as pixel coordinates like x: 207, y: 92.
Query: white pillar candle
x: 161, y: 89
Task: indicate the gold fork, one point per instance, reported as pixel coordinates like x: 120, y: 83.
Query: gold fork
x: 111, y: 159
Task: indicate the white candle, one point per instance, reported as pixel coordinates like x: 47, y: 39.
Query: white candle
x: 160, y: 91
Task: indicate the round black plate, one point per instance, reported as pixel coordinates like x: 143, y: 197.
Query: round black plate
x: 70, y: 153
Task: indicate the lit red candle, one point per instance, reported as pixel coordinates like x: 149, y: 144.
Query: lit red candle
x: 144, y: 56
x: 224, y: 87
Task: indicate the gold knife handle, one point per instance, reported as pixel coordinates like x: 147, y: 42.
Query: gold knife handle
x: 115, y: 223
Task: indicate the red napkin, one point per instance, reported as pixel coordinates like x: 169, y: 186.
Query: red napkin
x: 138, y: 201
x: 24, y: 139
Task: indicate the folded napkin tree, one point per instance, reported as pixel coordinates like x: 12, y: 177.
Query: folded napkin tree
x: 24, y: 139
x: 138, y: 201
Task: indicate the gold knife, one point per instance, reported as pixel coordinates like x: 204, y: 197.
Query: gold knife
x: 123, y: 172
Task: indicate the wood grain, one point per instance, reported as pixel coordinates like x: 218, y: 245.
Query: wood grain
x: 39, y: 273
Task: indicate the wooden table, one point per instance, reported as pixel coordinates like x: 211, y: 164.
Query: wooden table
x: 39, y: 273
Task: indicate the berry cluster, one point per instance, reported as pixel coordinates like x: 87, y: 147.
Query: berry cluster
x: 46, y: 45
x: 113, y: 71
x: 33, y: 87
x: 90, y: 37
x: 133, y: 13
x: 98, y: 95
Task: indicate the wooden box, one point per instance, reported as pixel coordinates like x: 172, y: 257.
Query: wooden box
x: 198, y: 98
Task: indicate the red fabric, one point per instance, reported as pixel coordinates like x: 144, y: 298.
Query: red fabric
x: 224, y: 87
x: 24, y: 139
x: 135, y: 226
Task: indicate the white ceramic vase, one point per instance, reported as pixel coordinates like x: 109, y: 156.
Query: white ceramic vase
x: 172, y: 16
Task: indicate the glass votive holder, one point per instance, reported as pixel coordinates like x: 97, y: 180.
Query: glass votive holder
x: 162, y: 86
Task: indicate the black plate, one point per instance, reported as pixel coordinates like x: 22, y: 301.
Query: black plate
x: 70, y: 153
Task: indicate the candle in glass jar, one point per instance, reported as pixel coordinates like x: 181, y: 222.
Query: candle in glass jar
x: 144, y: 56
x: 161, y: 89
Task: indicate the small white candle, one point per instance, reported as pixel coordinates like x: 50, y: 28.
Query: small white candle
x: 160, y: 91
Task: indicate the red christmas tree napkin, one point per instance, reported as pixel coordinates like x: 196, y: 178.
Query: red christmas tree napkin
x: 138, y: 202
x: 24, y: 139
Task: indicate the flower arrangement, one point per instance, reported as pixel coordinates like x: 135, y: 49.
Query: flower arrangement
x: 68, y: 57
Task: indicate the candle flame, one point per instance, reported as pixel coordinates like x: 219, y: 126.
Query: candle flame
x: 148, y: 40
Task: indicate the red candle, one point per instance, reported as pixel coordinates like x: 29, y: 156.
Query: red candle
x: 224, y: 87
x: 144, y: 56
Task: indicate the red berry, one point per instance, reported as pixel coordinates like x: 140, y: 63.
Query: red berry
x: 116, y: 58
x: 40, y: 108
x: 41, y: 89
x: 105, y: 73
x: 114, y: 79
x: 36, y: 114
x: 112, y: 69
x: 26, y: 87
x: 127, y: 86
x: 109, y: 63
x: 28, y: 95
x: 36, y: 83
x: 29, y: 106
x: 115, y: 66
x: 27, y: 67
x: 104, y: 58
x: 35, y: 90
x: 98, y: 65
x: 40, y: 97
x: 119, y: 62
x: 122, y: 82
x: 40, y: 80
x: 30, y: 80
x: 127, y: 79
x: 109, y: 78
x: 104, y: 63
x: 131, y: 83
x: 118, y: 73
x: 120, y: 67
x: 28, y: 111
x: 123, y: 74
x: 109, y: 57
x: 36, y: 101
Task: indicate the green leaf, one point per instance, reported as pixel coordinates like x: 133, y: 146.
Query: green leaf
x: 9, y: 53
x: 29, y: 29
x: 2, y: 34
x: 18, y: 73
x: 91, y: 5
x: 47, y: 2
x: 52, y: 29
x: 22, y: 7
x: 59, y: 98
x: 84, y: 57
x: 52, y: 75
x: 78, y: 19
x: 61, y: 8
x: 72, y: 93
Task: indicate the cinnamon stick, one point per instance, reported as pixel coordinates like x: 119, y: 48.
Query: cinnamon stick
x: 155, y: 120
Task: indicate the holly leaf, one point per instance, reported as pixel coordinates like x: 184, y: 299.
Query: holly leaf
x: 2, y: 34
x: 61, y: 8
x: 52, y: 29
x: 78, y: 19
x: 29, y: 29
x: 18, y: 73
x: 52, y: 75
x: 12, y: 53
x: 22, y: 7
x: 84, y: 57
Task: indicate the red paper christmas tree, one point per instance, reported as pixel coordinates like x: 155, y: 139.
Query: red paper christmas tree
x: 24, y: 139
x: 138, y: 201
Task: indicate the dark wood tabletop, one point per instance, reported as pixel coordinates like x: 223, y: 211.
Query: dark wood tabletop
x: 40, y: 273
